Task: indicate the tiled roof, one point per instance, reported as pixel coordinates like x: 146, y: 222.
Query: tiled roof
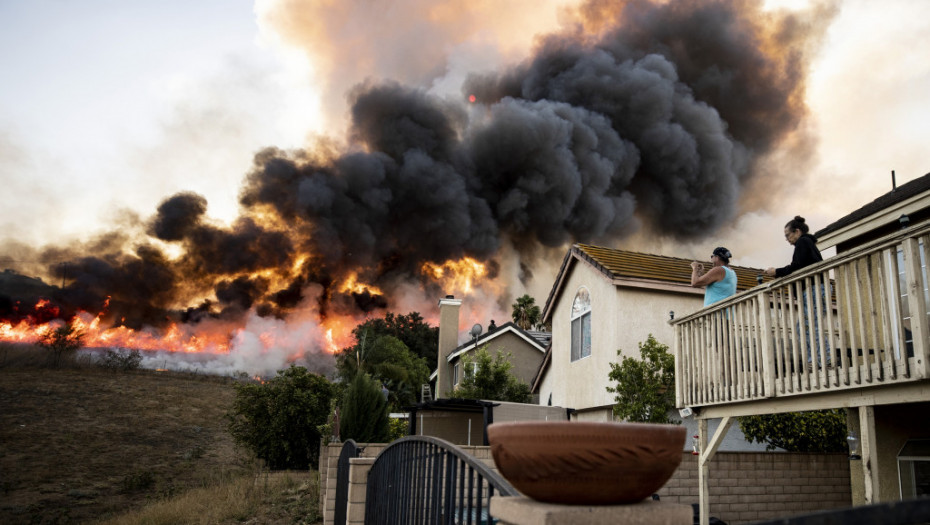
x: 620, y: 264
x: 901, y: 193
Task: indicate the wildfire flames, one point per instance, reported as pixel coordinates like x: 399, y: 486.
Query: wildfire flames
x: 335, y: 331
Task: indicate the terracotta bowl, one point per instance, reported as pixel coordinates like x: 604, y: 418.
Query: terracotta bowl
x: 585, y: 463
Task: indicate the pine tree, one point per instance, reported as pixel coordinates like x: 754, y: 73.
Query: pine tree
x: 364, y: 415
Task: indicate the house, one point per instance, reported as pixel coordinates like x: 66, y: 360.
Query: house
x: 875, y: 326
x: 465, y: 421
x: 526, y: 349
x: 604, y: 300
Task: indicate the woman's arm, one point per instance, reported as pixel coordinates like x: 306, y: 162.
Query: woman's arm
x: 805, y: 254
x: 713, y: 275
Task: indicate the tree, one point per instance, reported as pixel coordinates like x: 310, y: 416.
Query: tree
x: 490, y: 378
x: 525, y: 312
x: 364, y: 413
x: 421, y: 338
x: 815, y: 431
x: 279, y: 421
x: 389, y: 361
x: 645, y: 390
x: 62, y: 341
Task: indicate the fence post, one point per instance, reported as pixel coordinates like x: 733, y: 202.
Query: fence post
x: 358, y: 486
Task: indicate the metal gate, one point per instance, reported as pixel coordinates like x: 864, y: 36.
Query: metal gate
x: 349, y: 450
x: 423, y: 479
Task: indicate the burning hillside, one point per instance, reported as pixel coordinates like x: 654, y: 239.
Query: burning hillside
x: 641, y: 115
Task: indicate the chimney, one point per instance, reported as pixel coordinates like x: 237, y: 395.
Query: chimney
x: 448, y: 342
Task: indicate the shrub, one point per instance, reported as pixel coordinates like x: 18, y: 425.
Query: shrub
x: 364, y: 413
x: 121, y: 360
x: 279, y: 421
x: 490, y: 378
x: 645, y: 391
x: 815, y: 431
x: 399, y: 428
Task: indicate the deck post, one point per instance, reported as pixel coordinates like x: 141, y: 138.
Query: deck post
x: 869, y: 454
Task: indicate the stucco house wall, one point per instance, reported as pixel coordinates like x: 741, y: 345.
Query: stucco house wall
x: 621, y: 318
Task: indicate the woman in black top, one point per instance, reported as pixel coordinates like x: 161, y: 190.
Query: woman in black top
x: 805, y: 254
x: 805, y: 248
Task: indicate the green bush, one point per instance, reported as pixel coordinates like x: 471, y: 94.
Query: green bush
x: 645, y: 391
x: 279, y: 421
x: 399, y: 428
x: 364, y: 413
x: 815, y: 431
x: 490, y: 378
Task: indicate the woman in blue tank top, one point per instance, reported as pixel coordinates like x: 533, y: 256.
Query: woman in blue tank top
x: 720, y: 281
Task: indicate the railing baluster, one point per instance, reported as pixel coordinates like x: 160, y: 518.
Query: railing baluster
x: 916, y: 282
x: 884, y: 278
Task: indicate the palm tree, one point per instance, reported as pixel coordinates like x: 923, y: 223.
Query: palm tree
x: 525, y: 312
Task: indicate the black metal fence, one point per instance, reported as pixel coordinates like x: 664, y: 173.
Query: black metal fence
x: 349, y: 450
x: 425, y: 480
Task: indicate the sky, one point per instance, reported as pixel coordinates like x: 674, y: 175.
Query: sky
x: 108, y: 107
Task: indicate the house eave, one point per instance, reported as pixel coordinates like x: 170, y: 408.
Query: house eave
x: 889, y: 215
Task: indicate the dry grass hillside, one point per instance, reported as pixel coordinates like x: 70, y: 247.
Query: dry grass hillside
x: 84, y: 444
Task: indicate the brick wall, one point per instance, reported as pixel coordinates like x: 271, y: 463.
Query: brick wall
x: 744, y: 486
x: 753, y: 486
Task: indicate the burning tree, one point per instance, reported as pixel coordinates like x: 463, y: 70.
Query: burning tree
x: 62, y: 341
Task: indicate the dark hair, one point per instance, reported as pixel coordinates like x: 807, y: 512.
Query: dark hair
x: 797, y: 223
x: 723, y: 253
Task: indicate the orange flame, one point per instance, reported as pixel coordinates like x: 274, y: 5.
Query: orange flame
x: 176, y: 338
x: 456, y: 275
x: 352, y: 285
x: 337, y: 332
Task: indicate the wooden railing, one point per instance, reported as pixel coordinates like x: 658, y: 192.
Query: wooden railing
x: 864, y: 310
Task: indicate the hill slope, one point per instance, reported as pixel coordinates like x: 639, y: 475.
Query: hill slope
x: 88, y: 443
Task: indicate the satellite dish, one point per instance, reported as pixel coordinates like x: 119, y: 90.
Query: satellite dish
x: 475, y: 331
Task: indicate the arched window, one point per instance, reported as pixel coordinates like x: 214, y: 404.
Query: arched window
x: 581, y: 324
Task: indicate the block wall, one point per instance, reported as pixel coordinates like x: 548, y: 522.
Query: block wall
x: 754, y: 486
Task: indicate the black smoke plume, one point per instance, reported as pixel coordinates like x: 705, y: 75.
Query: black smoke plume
x: 643, y: 114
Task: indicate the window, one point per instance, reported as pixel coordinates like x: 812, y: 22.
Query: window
x: 455, y: 374
x: 914, y: 468
x: 581, y: 324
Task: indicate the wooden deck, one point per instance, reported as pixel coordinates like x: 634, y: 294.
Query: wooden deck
x: 865, y: 310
